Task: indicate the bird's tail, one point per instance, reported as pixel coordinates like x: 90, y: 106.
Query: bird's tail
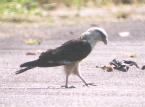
x: 23, y: 70
x: 30, y: 64
x: 27, y: 66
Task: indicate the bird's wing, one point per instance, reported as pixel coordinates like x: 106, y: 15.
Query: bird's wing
x: 131, y: 63
x: 74, y: 50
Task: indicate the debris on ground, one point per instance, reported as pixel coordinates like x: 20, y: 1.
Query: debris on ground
x: 143, y: 67
x: 120, y: 65
x: 30, y: 53
x: 37, y: 52
x: 132, y: 55
x: 32, y: 42
x: 106, y: 68
x: 124, y: 34
x: 123, y: 65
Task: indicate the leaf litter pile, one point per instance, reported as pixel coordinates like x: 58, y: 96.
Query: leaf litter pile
x: 120, y: 65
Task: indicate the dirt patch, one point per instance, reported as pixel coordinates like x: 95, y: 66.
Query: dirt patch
x: 40, y: 87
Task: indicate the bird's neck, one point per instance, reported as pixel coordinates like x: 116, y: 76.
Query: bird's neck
x: 92, y: 42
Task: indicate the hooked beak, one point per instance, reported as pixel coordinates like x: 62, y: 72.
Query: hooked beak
x: 105, y: 41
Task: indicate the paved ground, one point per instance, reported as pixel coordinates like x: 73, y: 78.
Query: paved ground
x: 40, y: 87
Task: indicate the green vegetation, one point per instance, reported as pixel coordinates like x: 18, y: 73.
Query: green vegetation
x: 21, y: 10
x: 32, y: 6
x: 32, y: 42
x: 17, y: 7
x: 123, y: 15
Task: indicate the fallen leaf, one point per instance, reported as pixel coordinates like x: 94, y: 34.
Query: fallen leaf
x: 30, y: 53
x: 106, y: 68
x: 32, y: 42
x: 132, y: 55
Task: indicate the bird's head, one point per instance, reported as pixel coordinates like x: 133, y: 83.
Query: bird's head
x: 94, y: 35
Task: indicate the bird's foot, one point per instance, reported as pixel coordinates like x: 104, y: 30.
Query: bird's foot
x: 89, y: 84
x: 64, y: 86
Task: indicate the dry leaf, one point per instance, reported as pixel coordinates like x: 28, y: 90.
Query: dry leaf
x: 32, y: 42
x: 30, y: 53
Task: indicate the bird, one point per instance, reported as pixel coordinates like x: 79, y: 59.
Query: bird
x: 123, y: 65
x: 131, y: 63
x: 69, y: 54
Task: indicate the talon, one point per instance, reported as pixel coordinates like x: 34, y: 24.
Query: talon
x: 86, y: 85
x: 92, y: 84
x: 72, y: 87
x: 68, y: 87
x: 63, y: 86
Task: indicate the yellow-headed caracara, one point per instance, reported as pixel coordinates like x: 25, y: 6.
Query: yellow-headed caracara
x: 69, y: 54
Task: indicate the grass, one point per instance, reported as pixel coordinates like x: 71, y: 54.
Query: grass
x: 18, y: 7
x: 123, y: 15
x: 32, y: 6
x: 18, y: 11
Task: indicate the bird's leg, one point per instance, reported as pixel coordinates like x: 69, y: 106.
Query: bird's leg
x: 82, y: 79
x: 76, y: 71
x: 66, y: 83
x: 68, y: 69
x: 86, y: 84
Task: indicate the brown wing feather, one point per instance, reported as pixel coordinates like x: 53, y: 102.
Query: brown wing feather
x: 74, y: 50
